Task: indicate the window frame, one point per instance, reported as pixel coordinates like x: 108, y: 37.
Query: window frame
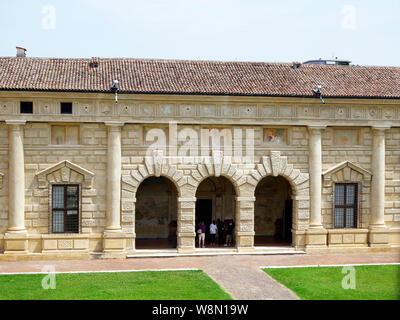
x: 355, y: 206
x: 64, y: 104
x: 66, y: 209
x: 25, y: 102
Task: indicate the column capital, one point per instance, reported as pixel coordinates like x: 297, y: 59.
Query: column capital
x: 116, y: 124
x: 16, y: 122
x: 380, y: 130
x: 316, y: 129
x: 243, y: 199
x: 187, y: 199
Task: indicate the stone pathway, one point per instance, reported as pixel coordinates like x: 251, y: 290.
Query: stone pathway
x: 245, y: 282
x: 239, y: 275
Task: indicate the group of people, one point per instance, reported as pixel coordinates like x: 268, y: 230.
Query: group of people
x: 220, y: 232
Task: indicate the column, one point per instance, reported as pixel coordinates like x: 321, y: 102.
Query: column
x: 244, y: 224
x: 16, y: 177
x: 113, y: 238
x: 378, y: 230
x: 16, y: 236
x: 316, y: 235
x: 186, y: 225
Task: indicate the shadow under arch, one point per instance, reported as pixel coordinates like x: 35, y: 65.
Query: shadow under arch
x: 156, y: 213
x: 273, y: 211
x: 216, y: 201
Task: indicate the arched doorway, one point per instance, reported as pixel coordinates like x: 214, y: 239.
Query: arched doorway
x: 216, y: 201
x: 273, y: 212
x: 156, y: 214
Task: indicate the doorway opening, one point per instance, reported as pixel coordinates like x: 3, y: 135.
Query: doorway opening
x: 216, y: 202
x: 156, y: 214
x: 273, y: 212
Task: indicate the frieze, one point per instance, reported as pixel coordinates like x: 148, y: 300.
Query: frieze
x: 46, y: 110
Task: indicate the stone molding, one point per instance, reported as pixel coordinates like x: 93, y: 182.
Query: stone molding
x: 347, y: 168
x: 65, y: 172
x: 1, y: 179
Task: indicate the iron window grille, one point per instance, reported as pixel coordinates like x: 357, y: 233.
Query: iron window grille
x: 65, y: 208
x: 346, y: 205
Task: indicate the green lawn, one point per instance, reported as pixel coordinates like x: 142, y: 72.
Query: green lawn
x: 170, y: 285
x: 325, y: 283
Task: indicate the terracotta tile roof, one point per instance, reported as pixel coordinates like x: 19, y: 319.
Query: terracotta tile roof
x: 197, y: 77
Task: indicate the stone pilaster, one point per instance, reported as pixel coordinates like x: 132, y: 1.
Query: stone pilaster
x: 316, y: 235
x: 16, y: 236
x: 113, y: 239
x: 244, y: 220
x: 186, y: 225
x: 379, y: 235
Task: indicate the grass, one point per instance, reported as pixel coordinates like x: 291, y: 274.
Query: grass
x: 168, y: 285
x: 325, y: 283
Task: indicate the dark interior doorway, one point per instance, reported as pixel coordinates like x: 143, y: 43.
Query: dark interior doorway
x: 287, y: 221
x: 204, y: 213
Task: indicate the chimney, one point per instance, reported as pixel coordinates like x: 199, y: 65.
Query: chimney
x: 21, y: 52
x: 296, y: 65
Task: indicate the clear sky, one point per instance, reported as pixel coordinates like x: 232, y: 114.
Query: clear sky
x: 366, y: 32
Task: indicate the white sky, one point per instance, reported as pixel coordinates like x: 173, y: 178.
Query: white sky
x: 363, y: 31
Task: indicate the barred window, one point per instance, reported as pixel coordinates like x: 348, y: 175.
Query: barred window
x: 346, y: 205
x: 65, y: 207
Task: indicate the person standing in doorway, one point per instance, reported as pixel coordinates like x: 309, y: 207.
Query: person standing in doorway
x: 220, y: 226
x: 213, y: 233
x: 229, y: 234
x: 201, y: 231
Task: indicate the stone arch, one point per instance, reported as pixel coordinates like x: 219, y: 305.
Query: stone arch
x: 277, y: 165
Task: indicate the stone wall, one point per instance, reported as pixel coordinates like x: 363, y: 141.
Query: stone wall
x: 287, y: 158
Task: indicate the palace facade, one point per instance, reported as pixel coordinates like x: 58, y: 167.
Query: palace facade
x: 297, y: 153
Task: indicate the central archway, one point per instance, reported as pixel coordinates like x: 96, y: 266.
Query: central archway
x: 273, y: 212
x: 216, y: 201
x: 156, y: 214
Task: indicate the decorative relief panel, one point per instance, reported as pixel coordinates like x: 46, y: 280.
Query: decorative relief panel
x: 147, y: 110
x: 247, y: 111
x: 227, y: 111
x: 268, y: 111
x: 6, y: 107
x: 86, y: 109
x: 207, y: 110
x: 346, y: 137
x: 187, y: 110
x: 167, y: 110
x: 286, y: 112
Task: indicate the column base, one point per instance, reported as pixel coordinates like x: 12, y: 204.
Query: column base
x: 244, y: 240
x: 316, y: 238
x: 378, y: 236
x: 186, y: 242
x: 115, y: 242
x: 16, y: 242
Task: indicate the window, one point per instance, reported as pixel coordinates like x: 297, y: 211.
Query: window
x: 346, y: 197
x: 65, y: 207
x: 66, y: 107
x: 26, y: 107
x: 65, y: 135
